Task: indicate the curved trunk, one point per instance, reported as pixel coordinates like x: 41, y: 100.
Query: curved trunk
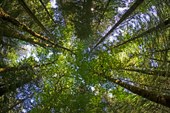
x: 103, y: 13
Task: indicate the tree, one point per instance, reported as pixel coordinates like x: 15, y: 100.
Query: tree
x: 112, y: 56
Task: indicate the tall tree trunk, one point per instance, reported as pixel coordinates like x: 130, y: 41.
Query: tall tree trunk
x: 141, y: 84
x: 23, y: 67
x: 166, y: 23
x: 6, y: 17
x: 24, y: 5
x: 7, y: 32
x: 160, y: 99
x: 149, y: 72
x: 128, y: 12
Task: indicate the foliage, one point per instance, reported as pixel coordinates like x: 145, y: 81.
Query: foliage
x: 70, y: 68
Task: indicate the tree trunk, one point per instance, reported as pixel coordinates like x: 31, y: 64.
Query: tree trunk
x: 128, y: 12
x: 163, y: 24
x: 7, y: 32
x: 149, y: 72
x: 160, y: 99
x: 24, y: 5
x: 103, y: 13
x: 149, y: 57
x: 6, y: 17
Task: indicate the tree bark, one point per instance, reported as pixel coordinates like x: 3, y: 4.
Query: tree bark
x: 24, y: 5
x: 161, y: 25
x: 160, y: 99
x: 6, y: 17
x: 149, y: 72
x: 128, y: 12
x: 7, y: 32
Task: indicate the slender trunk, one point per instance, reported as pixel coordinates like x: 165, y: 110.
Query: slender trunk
x: 24, y: 5
x: 162, y: 50
x: 7, y: 32
x: 160, y: 99
x: 128, y: 12
x: 6, y: 17
x: 23, y: 67
x: 47, y: 12
x: 161, y: 25
x: 149, y: 57
x: 149, y: 72
x: 141, y: 84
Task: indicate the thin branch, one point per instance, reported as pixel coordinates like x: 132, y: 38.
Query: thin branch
x: 166, y: 49
x: 152, y: 96
x: 58, y: 81
x: 145, y: 84
x: 47, y: 11
x: 147, y: 71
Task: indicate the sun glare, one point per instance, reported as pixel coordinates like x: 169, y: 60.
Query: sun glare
x: 92, y: 9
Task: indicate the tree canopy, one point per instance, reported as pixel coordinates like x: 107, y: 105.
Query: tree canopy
x: 85, y: 56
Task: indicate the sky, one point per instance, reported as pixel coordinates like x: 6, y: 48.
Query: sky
x: 111, y: 37
x: 53, y: 2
